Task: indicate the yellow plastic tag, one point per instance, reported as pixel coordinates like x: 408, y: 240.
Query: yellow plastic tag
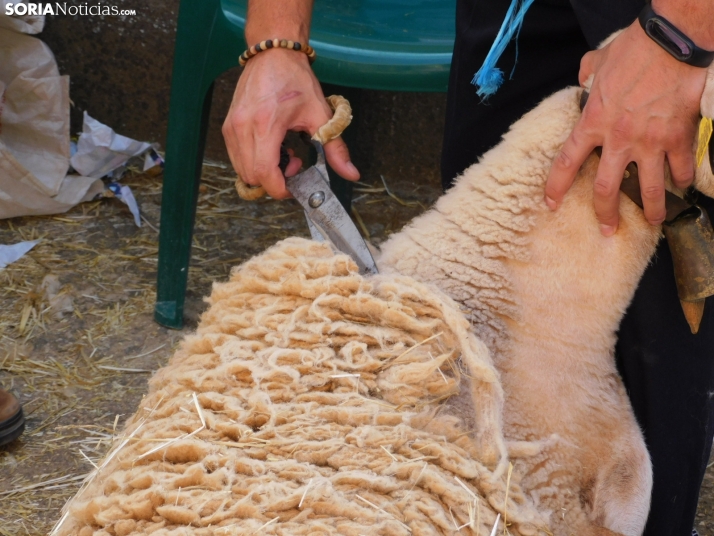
x: 705, y: 134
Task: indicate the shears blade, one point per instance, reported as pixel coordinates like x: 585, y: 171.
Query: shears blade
x: 326, y: 217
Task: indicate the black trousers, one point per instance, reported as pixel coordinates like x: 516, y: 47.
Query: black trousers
x: 668, y: 372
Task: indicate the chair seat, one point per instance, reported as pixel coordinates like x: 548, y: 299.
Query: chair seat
x: 398, y: 45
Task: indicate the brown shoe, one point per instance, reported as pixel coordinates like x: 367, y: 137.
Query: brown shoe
x: 12, y: 420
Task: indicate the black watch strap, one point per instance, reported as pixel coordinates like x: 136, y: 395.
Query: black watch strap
x: 670, y: 38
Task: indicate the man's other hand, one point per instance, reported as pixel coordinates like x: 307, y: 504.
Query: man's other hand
x: 644, y: 108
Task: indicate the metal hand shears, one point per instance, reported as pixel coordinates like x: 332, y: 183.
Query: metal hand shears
x: 326, y: 217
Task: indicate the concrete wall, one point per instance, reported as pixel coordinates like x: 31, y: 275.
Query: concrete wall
x: 120, y: 72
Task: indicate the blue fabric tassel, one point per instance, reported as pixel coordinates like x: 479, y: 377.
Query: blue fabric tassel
x: 489, y: 77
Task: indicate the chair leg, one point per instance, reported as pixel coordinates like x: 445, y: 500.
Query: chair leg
x: 206, y: 45
x: 341, y: 187
x: 188, y: 122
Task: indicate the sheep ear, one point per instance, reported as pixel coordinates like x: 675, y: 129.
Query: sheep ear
x: 610, y: 38
x: 589, y: 83
x: 707, y: 103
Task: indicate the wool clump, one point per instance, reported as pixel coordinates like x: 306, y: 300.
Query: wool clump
x: 312, y: 400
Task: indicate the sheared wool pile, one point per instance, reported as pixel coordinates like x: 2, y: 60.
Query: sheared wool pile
x: 312, y: 400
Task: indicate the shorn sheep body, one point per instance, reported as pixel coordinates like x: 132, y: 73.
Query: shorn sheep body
x: 470, y: 384
x: 546, y: 292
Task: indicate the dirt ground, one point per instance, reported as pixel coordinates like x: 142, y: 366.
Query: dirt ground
x: 77, y: 336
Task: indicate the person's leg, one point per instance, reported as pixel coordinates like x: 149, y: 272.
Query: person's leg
x: 550, y: 47
x: 669, y: 375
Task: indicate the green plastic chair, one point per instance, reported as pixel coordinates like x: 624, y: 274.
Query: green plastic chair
x: 398, y: 45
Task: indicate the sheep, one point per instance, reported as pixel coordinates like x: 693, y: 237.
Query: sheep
x: 312, y: 400
x: 546, y: 292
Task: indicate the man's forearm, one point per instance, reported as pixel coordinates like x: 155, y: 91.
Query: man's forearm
x: 282, y: 19
x: 693, y: 17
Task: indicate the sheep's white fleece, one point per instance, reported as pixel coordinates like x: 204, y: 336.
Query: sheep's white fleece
x: 546, y: 292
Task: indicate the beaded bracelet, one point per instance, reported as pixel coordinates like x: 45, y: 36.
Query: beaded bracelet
x: 276, y: 43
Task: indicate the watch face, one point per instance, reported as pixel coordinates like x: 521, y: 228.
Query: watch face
x: 669, y: 39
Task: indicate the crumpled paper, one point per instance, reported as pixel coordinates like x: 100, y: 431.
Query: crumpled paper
x: 14, y: 252
x: 100, y: 150
x: 153, y: 161
x: 34, y: 128
x: 124, y: 194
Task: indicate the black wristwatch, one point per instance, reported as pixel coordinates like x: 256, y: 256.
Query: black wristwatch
x: 670, y: 38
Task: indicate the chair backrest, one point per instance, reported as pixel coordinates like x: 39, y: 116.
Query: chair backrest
x: 402, y: 45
